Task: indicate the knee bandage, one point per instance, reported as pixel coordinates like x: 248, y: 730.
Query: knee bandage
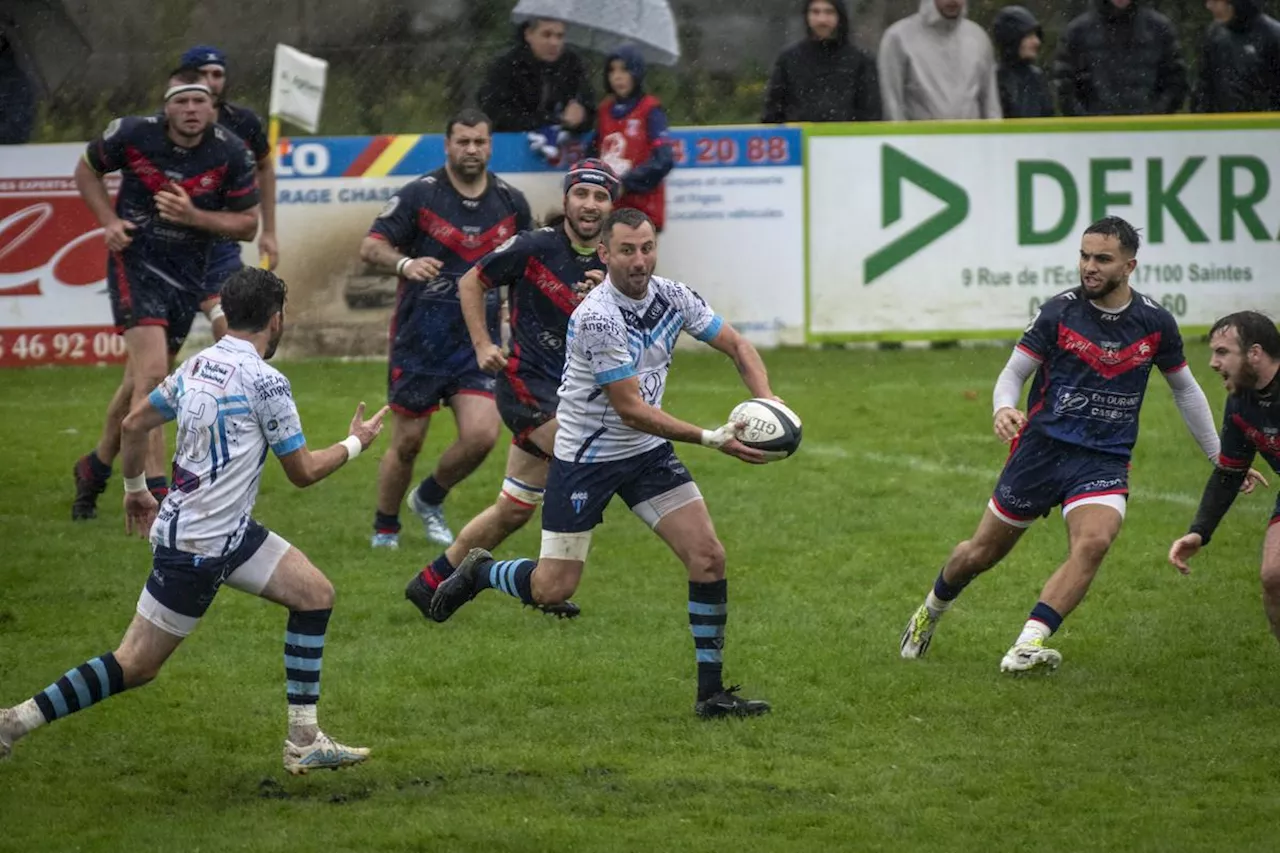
x: 565, y: 546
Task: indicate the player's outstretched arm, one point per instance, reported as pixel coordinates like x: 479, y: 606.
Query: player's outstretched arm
x: 139, y: 504
x: 624, y: 397
x: 1219, y: 493
x: 746, y: 358
x: 304, y: 467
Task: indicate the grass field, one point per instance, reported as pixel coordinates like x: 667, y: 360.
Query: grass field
x: 505, y: 730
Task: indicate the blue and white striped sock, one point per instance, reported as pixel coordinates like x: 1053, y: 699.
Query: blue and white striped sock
x: 708, y: 612
x: 303, y: 653
x: 86, y: 685
x: 514, y: 577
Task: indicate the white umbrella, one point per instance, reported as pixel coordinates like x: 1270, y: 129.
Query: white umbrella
x: 605, y: 25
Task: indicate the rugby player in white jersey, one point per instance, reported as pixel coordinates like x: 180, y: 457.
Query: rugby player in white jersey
x: 614, y: 438
x: 231, y: 407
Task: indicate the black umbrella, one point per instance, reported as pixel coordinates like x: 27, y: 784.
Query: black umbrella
x: 48, y: 44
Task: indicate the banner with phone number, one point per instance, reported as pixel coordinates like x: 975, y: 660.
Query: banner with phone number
x: 735, y: 232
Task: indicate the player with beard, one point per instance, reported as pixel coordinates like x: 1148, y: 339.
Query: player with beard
x: 430, y: 234
x: 546, y: 272
x: 231, y: 408
x: 1245, y: 351
x: 1092, y: 349
x: 187, y: 183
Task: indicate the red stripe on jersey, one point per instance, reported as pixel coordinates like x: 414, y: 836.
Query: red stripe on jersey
x: 1268, y: 444
x: 551, y: 286
x: 207, y: 182
x: 367, y: 156
x: 1226, y: 461
x: 151, y: 175
x: 1030, y: 353
x: 518, y: 386
x: 1175, y: 368
x: 469, y: 247
x: 1108, y: 363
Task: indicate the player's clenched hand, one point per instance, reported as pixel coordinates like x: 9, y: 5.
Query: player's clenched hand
x: 119, y: 235
x: 368, y: 430
x: 422, y: 269
x: 590, y: 280
x: 174, y: 204
x: 1184, y: 549
x: 1252, y: 480
x: 490, y: 358
x: 1009, y: 422
x: 139, y: 511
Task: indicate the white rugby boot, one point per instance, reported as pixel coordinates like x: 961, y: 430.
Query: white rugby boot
x: 323, y: 753
x: 433, y: 522
x: 919, y: 633
x: 1031, y: 655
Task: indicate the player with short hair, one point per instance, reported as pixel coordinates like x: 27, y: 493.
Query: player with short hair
x: 430, y: 234
x: 614, y: 438
x: 231, y: 408
x: 186, y: 183
x: 546, y: 273
x: 1092, y: 349
x: 1245, y: 351
x: 244, y: 123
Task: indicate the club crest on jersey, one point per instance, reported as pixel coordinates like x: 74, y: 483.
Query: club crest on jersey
x: 390, y: 207
x: 579, y: 500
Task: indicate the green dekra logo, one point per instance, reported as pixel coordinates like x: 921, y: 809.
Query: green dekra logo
x: 896, y: 169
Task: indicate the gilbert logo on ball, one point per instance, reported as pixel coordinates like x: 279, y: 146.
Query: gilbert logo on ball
x: 769, y: 426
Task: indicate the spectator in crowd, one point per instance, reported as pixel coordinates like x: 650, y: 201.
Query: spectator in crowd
x: 1024, y: 89
x: 538, y: 84
x: 1119, y: 58
x: 631, y: 135
x: 17, y: 98
x: 937, y: 64
x: 1239, y: 60
x: 824, y: 76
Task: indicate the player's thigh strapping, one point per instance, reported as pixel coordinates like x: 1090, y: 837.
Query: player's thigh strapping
x: 1042, y: 473
x: 182, y: 586
x: 653, y: 484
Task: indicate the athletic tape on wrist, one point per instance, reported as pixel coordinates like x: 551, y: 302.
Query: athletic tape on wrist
x: 401, y: 264
x: 135, y: 484
x: 353, y: 446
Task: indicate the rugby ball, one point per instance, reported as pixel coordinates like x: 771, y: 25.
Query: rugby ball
x: 769, y: 426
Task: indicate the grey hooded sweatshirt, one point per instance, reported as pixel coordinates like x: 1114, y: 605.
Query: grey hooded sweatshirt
x: 933, y: 67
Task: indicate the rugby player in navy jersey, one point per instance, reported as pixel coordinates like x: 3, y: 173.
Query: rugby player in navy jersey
x: 546, y: 272
x: 244, y: 123
x: 430, y: 234
x: 186, y: 183
x: 1245, y: 351
x: 1092, y: 349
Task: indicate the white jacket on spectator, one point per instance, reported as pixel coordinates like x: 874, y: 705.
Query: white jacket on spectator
x: 934, y: 67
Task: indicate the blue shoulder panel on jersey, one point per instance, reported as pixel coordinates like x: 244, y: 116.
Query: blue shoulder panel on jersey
x: 161, y: 405
x: 284, y: 448
x: 712, y: 329
x: 618, y: 373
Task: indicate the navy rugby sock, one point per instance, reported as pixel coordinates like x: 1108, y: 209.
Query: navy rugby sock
x: 158, y: 486
x: 383, y: 523
x: 708, y: 612
x: 437, y: 570
x: 97, y: 470
x: 431, y: 492
x: 86, y: 685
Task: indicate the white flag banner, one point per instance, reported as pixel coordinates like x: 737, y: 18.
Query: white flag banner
x: 297, y: 87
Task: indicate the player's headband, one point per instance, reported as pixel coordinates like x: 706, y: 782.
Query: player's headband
x: 182, y: 88
x: 601, y: 177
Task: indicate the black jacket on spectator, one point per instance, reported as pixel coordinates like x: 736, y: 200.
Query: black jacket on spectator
x: 521, y: 93
x: 17, y: 99
x: 1119, y: 62
x: 1024, y: 89
x: 831, y: 80
x: 1240, y: 64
